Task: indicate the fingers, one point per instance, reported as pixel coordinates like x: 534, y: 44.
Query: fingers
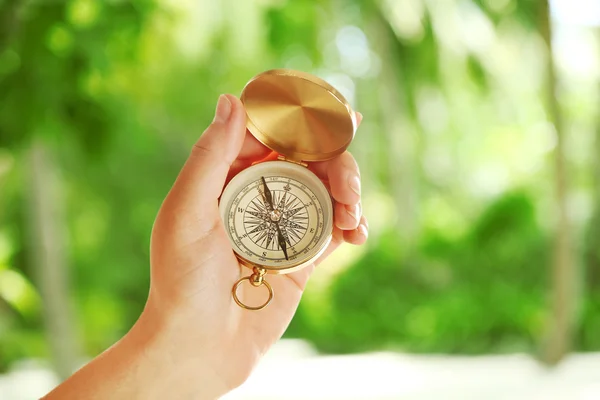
x: 347, y: 217
x: 341, y: 172
x: 359, y: 235
x: 356, y: 236
x: 252, y: 150
x: 359, y: 118
x: 343, y: 176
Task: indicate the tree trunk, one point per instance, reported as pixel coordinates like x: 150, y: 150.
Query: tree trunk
x: 403, y: 170
x: 564, y: 273
x: 46, y: 223
x: 596, y: 159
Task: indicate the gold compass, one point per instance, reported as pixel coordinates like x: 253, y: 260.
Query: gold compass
x: 278, y: 214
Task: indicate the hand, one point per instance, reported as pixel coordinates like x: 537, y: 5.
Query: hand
x: 193, y: 266
x: 192, y: 340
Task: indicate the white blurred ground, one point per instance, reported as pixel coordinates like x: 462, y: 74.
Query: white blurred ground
x: 292, y: 371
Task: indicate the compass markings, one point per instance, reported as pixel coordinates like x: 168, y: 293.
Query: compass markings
x: 293, y: 222
x: 281, y: 203
x: 255, y: 216
x: 259, y: 228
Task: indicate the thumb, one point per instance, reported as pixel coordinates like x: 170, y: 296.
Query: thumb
x: 201, y: 180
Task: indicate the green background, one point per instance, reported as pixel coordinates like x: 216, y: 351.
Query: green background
x: 478, y: 152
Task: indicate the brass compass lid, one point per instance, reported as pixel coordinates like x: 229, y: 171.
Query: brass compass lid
x: 298, y: 115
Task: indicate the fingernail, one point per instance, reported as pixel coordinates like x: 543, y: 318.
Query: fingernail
x: 354, y: 211
x: 363, y: 230
x: 354, y: 183
x: 223, y: 109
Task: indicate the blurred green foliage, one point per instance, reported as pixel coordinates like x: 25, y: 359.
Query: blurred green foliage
x: 481, y: 292
x: 455, y: 154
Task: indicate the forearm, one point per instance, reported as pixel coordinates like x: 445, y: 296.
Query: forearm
x: 147, y: 363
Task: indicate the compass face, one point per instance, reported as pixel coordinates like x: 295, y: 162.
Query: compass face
x: 277, y: 215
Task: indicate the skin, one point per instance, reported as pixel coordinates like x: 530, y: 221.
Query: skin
x: 192, y: 341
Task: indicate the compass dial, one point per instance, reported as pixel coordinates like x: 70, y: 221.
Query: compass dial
x: 291, y: 214
x: 284, y: 227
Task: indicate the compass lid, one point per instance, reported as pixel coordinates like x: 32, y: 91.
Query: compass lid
x: 298, y: 115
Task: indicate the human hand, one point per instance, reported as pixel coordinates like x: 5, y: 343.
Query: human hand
x: 194, y: 268
x: 192, y: 340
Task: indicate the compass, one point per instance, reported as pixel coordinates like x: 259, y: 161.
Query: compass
x: 278, y: 214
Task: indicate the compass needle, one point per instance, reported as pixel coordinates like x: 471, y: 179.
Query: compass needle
x: 266, y: 193
x: 281, y: 240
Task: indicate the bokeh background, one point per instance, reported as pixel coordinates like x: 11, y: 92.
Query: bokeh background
x: 479, y: 153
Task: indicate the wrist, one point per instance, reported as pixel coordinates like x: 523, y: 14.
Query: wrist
x: 150, y: 362
x: 171, y: 356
